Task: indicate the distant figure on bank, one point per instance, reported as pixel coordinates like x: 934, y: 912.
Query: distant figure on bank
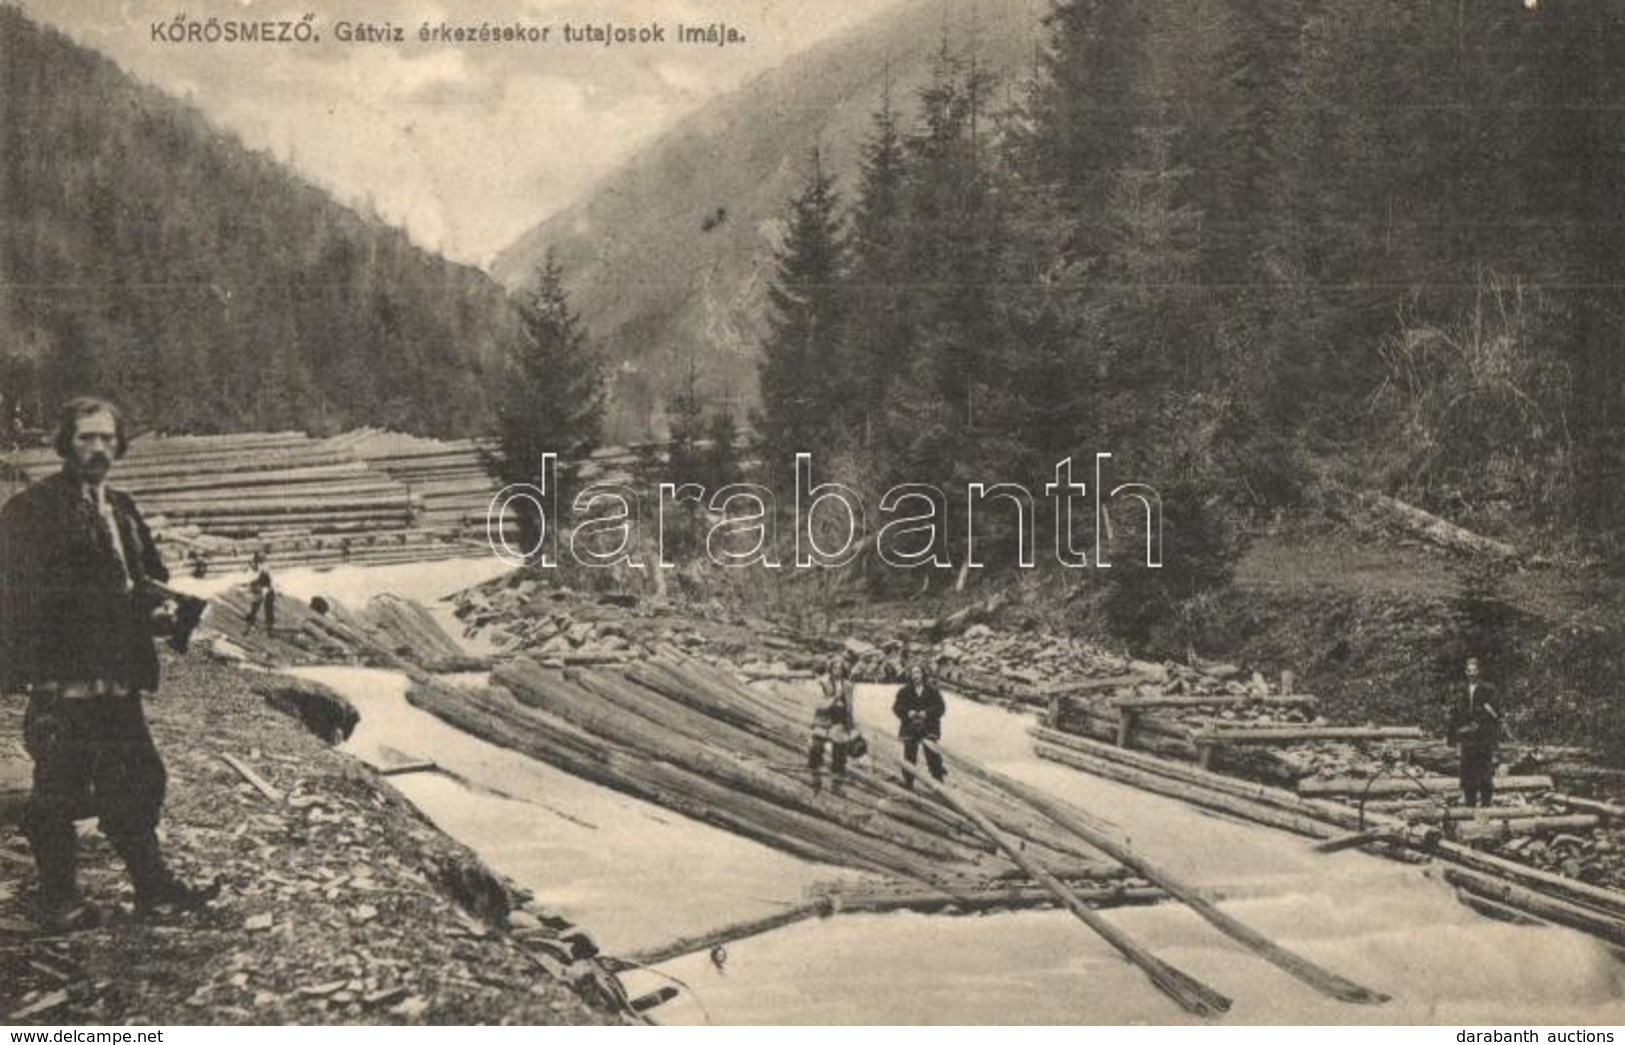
x: 263, y: 594
x: 257, y: 563
x: 78, y: 614
x: 833, y: 724
x: 200, y: 564
x: 919, y: 709
x: 1475, y: 725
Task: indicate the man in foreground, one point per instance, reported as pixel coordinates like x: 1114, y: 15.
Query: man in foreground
x: 78, y: 613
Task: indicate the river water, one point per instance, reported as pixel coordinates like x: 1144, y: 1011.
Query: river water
x: 636, y: 875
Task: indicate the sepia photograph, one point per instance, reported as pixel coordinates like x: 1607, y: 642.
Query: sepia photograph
x: 723, y: 513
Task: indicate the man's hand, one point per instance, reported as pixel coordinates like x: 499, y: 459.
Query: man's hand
x: 163, y: 616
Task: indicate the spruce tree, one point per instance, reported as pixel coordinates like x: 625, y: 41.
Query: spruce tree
x: 801, y: 400
x: 554, y: 401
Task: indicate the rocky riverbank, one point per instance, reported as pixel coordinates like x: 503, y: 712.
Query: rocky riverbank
x: 341, y: 904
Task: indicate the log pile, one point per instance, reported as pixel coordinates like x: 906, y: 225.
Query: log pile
x: 367, y: 497
x: 451, y: 481
x: 688, y: 736
x: 241, y: 485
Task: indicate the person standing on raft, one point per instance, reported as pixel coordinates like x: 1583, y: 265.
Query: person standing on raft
x: 833, y: 725
x: 919, y: 708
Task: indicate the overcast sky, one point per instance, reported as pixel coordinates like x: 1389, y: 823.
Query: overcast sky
x: 467, y: 145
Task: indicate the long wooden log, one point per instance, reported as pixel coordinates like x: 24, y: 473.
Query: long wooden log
x: 1556, y: 911
x: 1400, y: 785
x: 225, y: 462
x: 1217, y: 701
x: 1436, y: 811
x: 1069, y: 688
x: 311, y: 504
x: 346, y: 470
x: 1296, y: 734
x: 327, y: 489
x: 248, y: 528
x: 1439, y: 531
x: 1156, y: 737
x: 1263, y: 794
x: 1588, y: 805
x: 1323, y: 980
x: 1484, y: 829
x: 1001, y: 897
x: 1193, y: 995
x: 1297, y: 823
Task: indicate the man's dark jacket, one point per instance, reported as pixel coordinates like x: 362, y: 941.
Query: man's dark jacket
x: 1475, y: 725
x: 926, y: 698
x: 66, y: 614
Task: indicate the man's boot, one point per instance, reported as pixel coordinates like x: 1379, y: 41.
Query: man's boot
x: 58, y: 906
x: 155, y: 887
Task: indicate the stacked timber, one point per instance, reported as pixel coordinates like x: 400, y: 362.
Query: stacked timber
x: 237, y: 486
x: 451, y: 481
x: 282, y: 549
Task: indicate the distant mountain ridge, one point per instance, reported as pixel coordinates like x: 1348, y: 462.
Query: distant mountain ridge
x: 148, y: 255
x: 672, y: 254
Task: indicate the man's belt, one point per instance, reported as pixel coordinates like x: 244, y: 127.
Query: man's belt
x: 81, y: 690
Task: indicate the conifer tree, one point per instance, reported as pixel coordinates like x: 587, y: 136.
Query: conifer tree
x: 554, y: 401
x: 800, y: 389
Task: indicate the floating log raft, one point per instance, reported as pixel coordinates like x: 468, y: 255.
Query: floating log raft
x: 687, y: 737
x: 1322, y: 820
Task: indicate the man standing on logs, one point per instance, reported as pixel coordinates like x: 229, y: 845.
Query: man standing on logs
x: 1475, y: 725
x: 78, y: 613
x: 919, y: 708
x: 262, y: 595
x: 833, y: 725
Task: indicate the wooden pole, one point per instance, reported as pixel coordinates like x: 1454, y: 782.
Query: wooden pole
x: 1193, y: 995
x: 875, y: 902
x: 1323, y: 980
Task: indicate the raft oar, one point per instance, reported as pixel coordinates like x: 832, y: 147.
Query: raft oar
x: 1191, y: 993
x: 1323, y: 980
